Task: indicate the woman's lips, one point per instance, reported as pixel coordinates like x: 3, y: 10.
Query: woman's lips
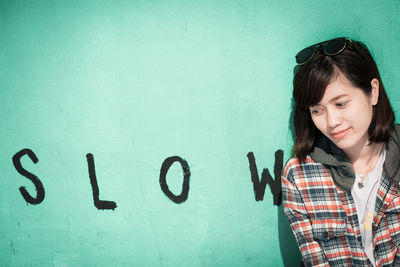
x: 340, y: 134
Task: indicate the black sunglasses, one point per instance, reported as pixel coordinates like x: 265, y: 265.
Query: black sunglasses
x: 330, y: 48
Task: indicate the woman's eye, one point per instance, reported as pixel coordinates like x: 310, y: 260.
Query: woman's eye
x: 315, y: 111
x: 341, y: 104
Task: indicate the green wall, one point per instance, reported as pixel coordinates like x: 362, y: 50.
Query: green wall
x: 136, y: 82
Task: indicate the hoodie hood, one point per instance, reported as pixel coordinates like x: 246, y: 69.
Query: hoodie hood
x: 340, y: 168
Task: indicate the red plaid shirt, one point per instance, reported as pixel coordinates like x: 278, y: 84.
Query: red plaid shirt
x: 324, y: 219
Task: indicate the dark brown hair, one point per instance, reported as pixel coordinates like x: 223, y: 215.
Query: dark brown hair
x: 357, y: 65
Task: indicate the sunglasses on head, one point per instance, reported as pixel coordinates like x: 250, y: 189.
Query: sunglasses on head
x: 330, y: 48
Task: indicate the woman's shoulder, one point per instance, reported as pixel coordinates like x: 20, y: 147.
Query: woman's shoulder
x: 294, y: 166
x: 295, y: 162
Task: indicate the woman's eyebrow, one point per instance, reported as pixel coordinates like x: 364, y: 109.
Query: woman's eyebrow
x: 332, y: 100
x: 337, y: 97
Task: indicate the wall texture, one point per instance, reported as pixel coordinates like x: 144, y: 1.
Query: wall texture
x: 133, y: 83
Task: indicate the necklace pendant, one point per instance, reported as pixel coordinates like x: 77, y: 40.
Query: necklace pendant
x: 360, y: 185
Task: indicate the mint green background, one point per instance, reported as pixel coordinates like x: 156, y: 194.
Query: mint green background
x: 134, y: 82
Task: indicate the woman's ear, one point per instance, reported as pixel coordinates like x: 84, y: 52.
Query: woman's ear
x: 375, y: 91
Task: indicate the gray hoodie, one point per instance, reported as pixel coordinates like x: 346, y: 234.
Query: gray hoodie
x: 341, y: 170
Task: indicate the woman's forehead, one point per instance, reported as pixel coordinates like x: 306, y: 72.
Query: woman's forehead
x: 339, y: 87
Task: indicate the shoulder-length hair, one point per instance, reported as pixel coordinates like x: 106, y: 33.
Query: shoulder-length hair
x: 357, y: 65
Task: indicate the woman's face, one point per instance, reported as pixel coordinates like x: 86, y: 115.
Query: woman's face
x: 345, y: 113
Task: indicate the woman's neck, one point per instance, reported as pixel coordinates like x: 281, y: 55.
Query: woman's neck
x: 365, y: 159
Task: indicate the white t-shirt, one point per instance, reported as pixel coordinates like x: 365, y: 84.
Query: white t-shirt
x: 364, y: 192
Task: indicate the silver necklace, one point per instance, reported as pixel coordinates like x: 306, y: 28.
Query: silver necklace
x: 361, y: 184
x: 363, y: 176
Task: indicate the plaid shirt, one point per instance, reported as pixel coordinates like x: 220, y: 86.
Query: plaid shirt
x: 324, y: 219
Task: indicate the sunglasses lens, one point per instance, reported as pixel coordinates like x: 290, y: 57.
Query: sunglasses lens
x: 305, y: 55
x: 335, y: 46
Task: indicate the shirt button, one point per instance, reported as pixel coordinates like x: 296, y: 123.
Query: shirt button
x: 326, y: 235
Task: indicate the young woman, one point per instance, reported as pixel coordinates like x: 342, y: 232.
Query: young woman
x: 341, y: 190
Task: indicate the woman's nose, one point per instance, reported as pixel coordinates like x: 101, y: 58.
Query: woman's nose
x: 333, y: 118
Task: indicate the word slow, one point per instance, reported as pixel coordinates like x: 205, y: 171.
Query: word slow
x: 259, y: 185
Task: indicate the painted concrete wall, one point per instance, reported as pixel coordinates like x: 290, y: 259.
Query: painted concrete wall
x: 106, y: 92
